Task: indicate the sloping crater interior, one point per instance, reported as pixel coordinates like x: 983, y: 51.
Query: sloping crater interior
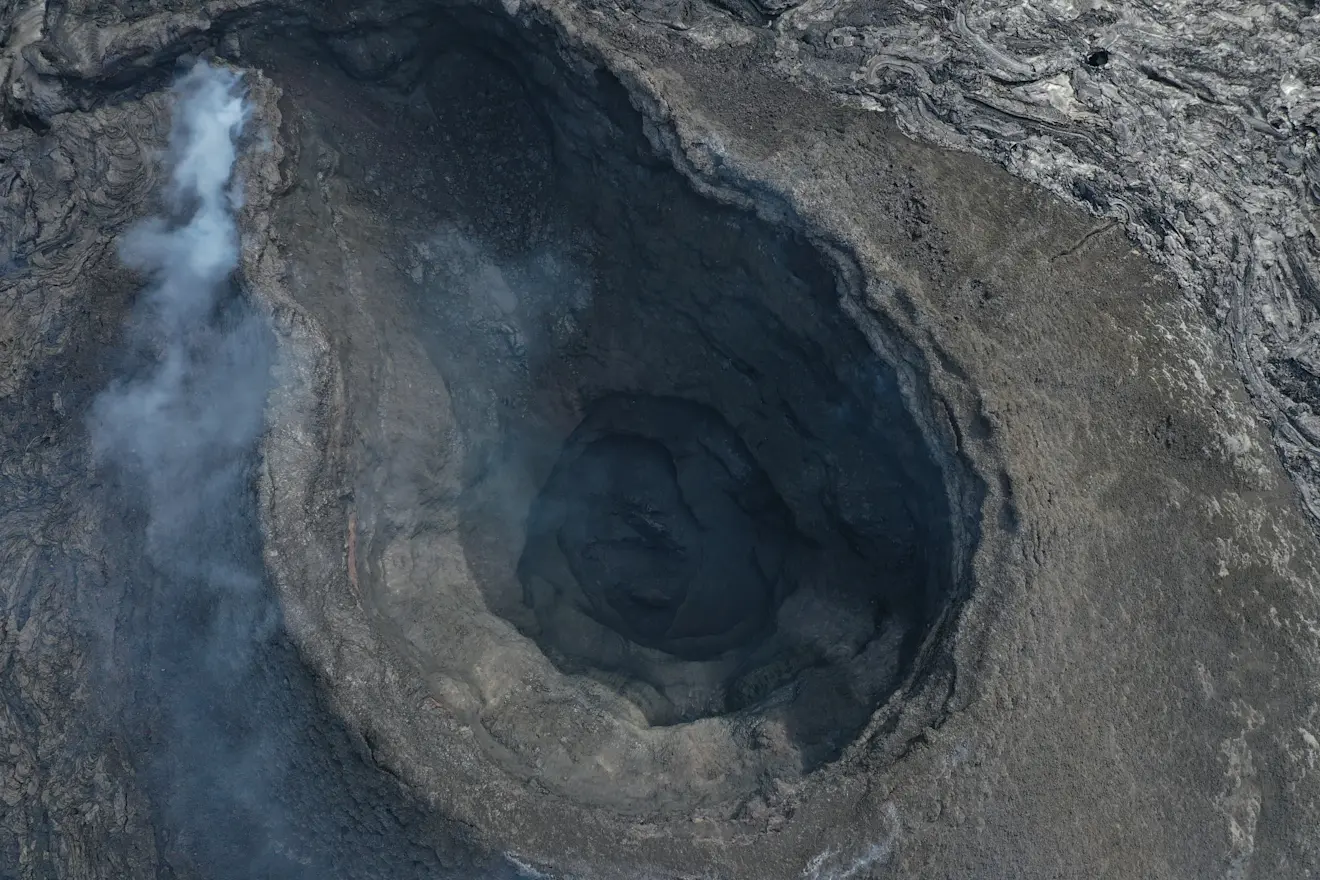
x: 631, y: 491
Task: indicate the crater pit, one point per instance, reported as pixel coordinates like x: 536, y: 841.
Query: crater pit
x: 629, y: 494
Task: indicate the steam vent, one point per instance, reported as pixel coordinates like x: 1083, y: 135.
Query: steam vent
x: 739, y: 440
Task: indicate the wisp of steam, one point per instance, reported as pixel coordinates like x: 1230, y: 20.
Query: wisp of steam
x: 248, y: 773
x: 179, y: 430
x: 184, y: 424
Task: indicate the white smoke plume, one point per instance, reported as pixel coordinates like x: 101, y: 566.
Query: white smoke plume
x: 184, y: 423
x: 179, y: 431
x: 248, y: 774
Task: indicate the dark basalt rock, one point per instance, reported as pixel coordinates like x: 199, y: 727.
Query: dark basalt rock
x: 658, y: 525
x: 668, y: 530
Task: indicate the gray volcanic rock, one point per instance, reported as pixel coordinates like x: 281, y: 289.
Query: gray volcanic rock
x: 978, y: 559
x: 1196, y: 128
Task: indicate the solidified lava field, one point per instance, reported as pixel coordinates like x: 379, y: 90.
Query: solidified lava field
x: 550, y: 439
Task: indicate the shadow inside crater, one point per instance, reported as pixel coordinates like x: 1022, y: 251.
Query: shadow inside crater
x: 634, y: 498
x: 690, y: 478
